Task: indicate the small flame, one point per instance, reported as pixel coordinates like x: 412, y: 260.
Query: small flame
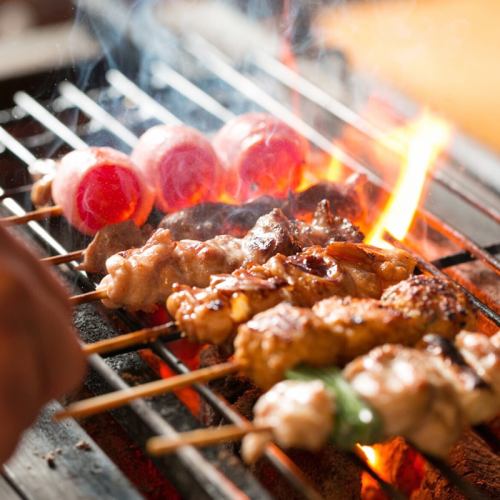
x: 429, y: 136
x: 371, y: 456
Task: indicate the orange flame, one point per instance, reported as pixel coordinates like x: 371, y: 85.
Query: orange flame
x: 428, y: 136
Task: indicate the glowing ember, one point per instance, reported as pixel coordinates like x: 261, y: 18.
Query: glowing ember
x: 429, y: 137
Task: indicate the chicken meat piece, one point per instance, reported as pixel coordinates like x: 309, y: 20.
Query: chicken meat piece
x: 479, y: 398
x: 207, y: 220
x: 41, y: 192
x: 359, y: 324
x: 110, y: 240
x: 300, y: 414
x: 138, y: 279
x: 440, y: 304
x: 212, y: 314
x: 410, y: 394
x: 281, y: 338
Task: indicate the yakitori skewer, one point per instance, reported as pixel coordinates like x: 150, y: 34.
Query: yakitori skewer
x: 126, y: 340
x: 119, y: 398
x: 162, y: 445
x: 83, y: 298
x: 334, y: 331
x: 446, y: 387
x: 93, y: 187
x: 55, y: 260
x: 143, y: 277
x: 39, y: 214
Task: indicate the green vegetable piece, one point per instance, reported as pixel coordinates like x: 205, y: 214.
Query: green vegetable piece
x: 355, y: 420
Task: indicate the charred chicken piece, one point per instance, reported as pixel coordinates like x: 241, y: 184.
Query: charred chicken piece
x: 440, y: 304
x: 411, y: 392
x: 213, y: 313
x: 359, y: 324
x: 111, y: 240
x: 207, y: 220
x: 140, y: 278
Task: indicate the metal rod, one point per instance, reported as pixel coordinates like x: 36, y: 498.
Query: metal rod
x: 37, y: 111
x: 15, y: 147
x: 387, y: 488
x: 185, y: 87
x: 93, y: 110
x: 463, y: 257
x: 130, y: 90
x: 432, y: 269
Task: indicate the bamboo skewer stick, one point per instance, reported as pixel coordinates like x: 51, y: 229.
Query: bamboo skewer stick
x: 115, y: 399
x: 83, y: 298
x: 62, y: 259
x: 39, y: 214
x: 162, y: 445
x: 145, y: 335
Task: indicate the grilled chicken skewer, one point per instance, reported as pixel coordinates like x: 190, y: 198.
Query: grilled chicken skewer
x: 213, y: 313
x: 334, y: 331
x: 419, y: 394
x: 424, y: 395
x: 337, y: 330
x: 140, y: 278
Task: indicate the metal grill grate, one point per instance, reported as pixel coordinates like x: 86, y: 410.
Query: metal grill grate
x: 115, y: 114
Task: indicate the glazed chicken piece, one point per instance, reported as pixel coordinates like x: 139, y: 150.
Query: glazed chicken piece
x: 358, y: 324
x: 437, y: 303
x: 413, y: 392
x: 212, y: 314
x: 140, y: 278
x: 281, y: 338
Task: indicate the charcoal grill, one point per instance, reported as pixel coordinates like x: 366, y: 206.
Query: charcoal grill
x: 203, y: 87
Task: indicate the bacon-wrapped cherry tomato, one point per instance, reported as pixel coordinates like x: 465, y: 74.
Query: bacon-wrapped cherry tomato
x: 261, y: 155
x: 180, y: 164
x: 100, y: 186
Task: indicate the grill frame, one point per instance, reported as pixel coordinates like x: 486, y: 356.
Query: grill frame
x: 208, y: 482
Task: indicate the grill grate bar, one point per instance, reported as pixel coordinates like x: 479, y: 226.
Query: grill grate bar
x: 37, y: 111
x: 92, y: 109
x: 432, y: 269
x: 131, y: 91
x: 187, y: 88
x: 463, y: 257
